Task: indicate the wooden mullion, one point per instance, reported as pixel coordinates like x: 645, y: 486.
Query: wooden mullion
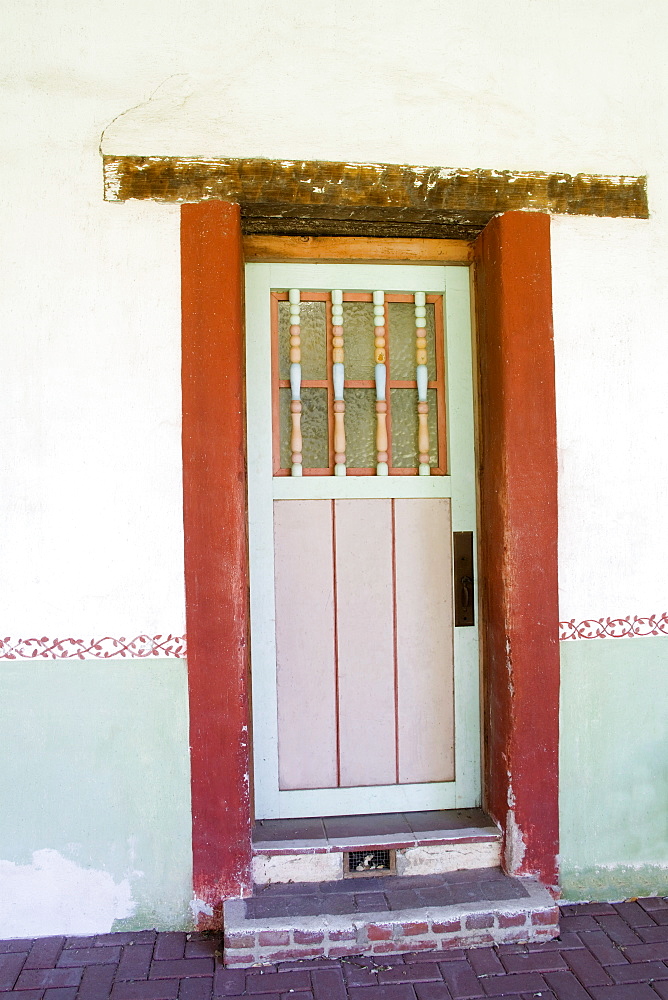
x: 306, y: 472
x: 441, y: 417
x: 306, y: 295
x: 388, y: 393
x: 308, y: 383
x: 275, y: 385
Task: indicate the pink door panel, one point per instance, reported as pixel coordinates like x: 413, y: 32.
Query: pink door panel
x: 425, y: 682
x: 364, y: 642
x: 305, y: 660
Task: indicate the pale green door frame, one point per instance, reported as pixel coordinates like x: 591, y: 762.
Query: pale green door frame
x: 265, y: 489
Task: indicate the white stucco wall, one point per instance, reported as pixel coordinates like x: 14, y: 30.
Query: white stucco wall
x: 90, y: 488
x: 610, y: 309
x: 91, y: 528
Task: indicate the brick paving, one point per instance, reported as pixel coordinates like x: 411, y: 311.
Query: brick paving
x: 605, y: 952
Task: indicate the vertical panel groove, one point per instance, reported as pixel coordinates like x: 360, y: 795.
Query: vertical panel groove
x: 394, y: 645
x: 336, y: 647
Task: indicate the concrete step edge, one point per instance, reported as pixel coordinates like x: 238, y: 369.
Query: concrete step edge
x: 472, y: 836
x: 459, y: 925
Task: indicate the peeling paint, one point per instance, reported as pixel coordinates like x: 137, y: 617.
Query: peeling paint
x: 112, y: 183
x: 297, y: 868
x: 509, y: 666
x: 433, y: 860
x: 200, y: 908
x: 55, y: 893
x: 514, y: 846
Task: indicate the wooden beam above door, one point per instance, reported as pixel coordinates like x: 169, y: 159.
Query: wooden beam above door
x: 383, y: 200
x: 356, y: 249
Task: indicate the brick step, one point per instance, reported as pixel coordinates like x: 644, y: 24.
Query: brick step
x: 426, y: 843
x: 386, y: 915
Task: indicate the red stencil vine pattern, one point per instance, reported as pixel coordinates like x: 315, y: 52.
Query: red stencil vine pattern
x: 143, y: 646
x: 614, y: 628
x: 84, y: 649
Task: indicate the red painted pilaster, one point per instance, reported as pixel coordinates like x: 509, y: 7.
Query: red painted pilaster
x: 518, y: 493
x: 216, y: 571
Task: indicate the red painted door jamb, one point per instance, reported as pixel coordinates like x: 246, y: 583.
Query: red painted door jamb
x: 216, y: 563
x: 518, y: 518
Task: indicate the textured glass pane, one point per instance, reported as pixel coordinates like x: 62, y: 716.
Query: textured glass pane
x: 315, y: 428
x: 360, y: 428
x: 315, y: 435
x: 285, y: 426
x: 405, y: 428
x: 358, y: 339
x: 313, y: 340
x: 401, y: 324
x: 432, y: 398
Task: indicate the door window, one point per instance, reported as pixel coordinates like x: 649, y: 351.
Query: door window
x: 358, y: 383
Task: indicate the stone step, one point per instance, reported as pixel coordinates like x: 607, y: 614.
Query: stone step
x: 426, y: 843
x: 386, y: 915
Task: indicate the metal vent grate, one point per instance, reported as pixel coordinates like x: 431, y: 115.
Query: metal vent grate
x: 370, y: 861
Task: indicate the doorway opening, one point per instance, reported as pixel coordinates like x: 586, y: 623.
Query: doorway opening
x: 361, y: 465
x: 518, y: 544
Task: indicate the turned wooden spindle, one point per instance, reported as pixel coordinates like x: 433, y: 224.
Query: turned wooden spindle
x: 380, y: 371
x: 295, y: 382
x: 338, y: 379
x: 422, y: 381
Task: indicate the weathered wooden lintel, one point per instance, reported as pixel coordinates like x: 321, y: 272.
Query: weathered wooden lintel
x: 290, y: 197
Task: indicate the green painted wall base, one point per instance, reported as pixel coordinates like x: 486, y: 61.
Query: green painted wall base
x: 95, y: 786
x: 614, y: 768
x: 615, y: 883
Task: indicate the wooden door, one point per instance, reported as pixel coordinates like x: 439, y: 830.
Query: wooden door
x: 360, y: 467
